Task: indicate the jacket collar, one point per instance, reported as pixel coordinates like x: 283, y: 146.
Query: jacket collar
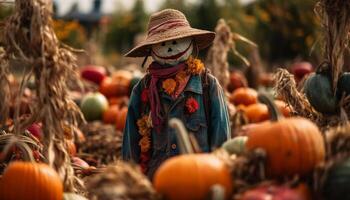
x: 195, y: 85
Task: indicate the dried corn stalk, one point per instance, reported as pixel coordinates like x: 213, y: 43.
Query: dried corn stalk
x: 4, y: 89
x: 335, y: 18
x: 120, y: 181
x: 29, y: 39
x: 217, y: 56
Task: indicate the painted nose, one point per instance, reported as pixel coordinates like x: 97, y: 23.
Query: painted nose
x: 170, y: 50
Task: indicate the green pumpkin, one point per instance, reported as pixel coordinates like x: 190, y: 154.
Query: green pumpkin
x: 337, y: 185
x: 344, y: 84
x: 235, y: 145
x: 318, y: 90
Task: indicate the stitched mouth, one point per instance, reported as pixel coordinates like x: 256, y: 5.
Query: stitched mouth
x: 176, y: 56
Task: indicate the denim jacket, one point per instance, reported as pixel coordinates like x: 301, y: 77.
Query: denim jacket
x: 164, y: 144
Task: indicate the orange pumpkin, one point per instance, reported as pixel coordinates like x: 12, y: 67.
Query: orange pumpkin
x: 283, y: 107
x: 190, y: 176
x: 25, y: 180
x: 121, y: 119
x: 110, y: 115
x: 245, y: 96
x: 120, y: 101
x: 293, y: 145
x: 123, y: 80
x: 257, y: 112
x: 108, y: 87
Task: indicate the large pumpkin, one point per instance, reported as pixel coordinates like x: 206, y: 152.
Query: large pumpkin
x: 337, y: 185
x: 191, y: 176
x: 30, y: 181
x: 244, y: 95
x: 275, y: 192
x: 319, y: 92
x: 293, y: 145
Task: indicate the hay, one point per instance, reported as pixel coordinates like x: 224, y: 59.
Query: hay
x: 286, y: 89
x: 4, y: 89
x: 29, y: 39
x: 335, y: 20
x: 120, y: 181
x: 103, y: 144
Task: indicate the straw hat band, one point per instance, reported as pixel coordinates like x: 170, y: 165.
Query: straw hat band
x: 167, y: 25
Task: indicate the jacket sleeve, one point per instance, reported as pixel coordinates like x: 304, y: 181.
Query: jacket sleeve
x: 219, y: 127
x: 130, y: 147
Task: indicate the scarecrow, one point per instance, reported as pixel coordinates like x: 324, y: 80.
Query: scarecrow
x: 177, y: 85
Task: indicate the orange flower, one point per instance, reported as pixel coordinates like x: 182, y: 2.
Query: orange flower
x: 145, y: 125
x: 145, y: 144
x: 169, y: 85
x: 194, y: 66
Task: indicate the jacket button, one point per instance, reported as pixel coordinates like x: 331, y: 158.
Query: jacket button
x: 173, y: 146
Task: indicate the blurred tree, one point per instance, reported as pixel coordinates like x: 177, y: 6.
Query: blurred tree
x: 285, y: 29
x: 124, y: 27
x: 5, y: 10
x: 70, y: 33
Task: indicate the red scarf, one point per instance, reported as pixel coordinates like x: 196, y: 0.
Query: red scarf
x: 157, y: 72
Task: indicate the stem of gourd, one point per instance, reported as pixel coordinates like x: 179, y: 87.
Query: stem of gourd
x: 275, y: 114
x: 182, y: 136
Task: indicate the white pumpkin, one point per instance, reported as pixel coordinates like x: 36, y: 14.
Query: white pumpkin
x: 172, y: 52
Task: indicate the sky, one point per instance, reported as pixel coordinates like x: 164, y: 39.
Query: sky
x: 109, y: 6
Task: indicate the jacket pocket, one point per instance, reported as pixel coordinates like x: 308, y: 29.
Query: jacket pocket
x: 199, y: 129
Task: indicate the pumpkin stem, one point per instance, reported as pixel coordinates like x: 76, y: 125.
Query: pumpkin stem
x: 182, y: 136
x: 275, y: 114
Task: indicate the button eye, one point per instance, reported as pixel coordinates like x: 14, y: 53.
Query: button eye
x: 174, y: 42
x: 163, y: 44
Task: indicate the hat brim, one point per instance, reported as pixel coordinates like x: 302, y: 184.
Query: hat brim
x: 201, y: 38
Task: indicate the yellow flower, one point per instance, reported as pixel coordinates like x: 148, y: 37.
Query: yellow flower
x: 194, y: 66
x: 145, y: 144
x: 169, y: 85
x: 145, y: 126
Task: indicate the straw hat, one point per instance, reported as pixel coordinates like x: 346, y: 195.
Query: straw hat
x: 170, y: 24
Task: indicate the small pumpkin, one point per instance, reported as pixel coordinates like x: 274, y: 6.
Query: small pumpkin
x: 257, y: 112
x: 93, y: 106
x: 237, y: 80
x: 337, y: 184
x: 244, y: 95
x: 283, y: 108
x: 190, y: 176
x: 110, y: 115
x: 319, y: 92
x: 275, y: 192
x: 300, y: 69
x: 26, y: 180
x: 122, y: 78
x: 121, y: 118
x: 93, y: 73
x: 293, y: 145
x: 120, y: 101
